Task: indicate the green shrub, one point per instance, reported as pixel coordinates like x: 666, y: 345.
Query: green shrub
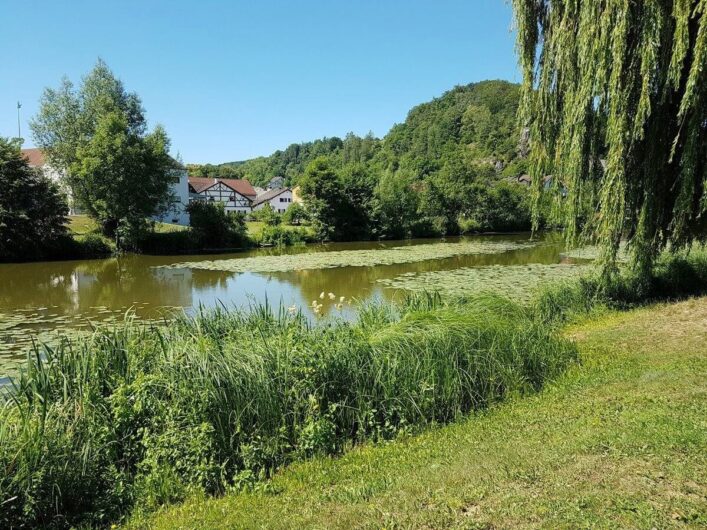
x: 267, y: 215
x: 214, y: 227
x: 295, y: 214
x: 503, y: 207
x: 223, y: 398
x: 675, y: 276
x: 176, y: 242
x: 282, y: 236
x: 32, y: 209
x: 93, y: 245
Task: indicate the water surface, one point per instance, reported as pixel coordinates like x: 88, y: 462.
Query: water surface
x: 39, y: 299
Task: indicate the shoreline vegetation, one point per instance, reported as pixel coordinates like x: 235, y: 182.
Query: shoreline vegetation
x: 84, y: 241
x: 218, y: 402
x: 617, y: 440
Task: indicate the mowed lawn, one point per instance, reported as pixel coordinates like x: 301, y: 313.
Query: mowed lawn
x: 620, y: 441
x: 82, y: 224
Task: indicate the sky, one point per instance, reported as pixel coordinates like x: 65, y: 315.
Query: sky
x: 232, y: 80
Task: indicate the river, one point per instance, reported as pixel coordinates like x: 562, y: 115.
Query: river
x: 39, y: 299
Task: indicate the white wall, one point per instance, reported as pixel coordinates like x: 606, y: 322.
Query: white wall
x: 177, y: 213
x: 279, y: 203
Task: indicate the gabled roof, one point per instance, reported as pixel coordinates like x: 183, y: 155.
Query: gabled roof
x: 34, y: 156
x: 270, y: 194
x: 200, y: 184
x: 241, y: 186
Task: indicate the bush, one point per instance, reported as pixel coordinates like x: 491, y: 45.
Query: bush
x: 282, y: 236
x: 176, y: 242
x: 267, y: 215
x: 295, y: 214
x: 93, y: 245
x: 214, y: 227
x: 225, y: 397
x: 504, y: 207
x: 32, y: 209
x: 675, y: 276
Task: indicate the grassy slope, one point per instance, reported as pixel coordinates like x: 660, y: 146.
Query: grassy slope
x: 82, y: 224
x: 618, y: 442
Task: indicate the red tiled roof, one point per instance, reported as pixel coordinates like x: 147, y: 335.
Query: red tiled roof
x: 34, y: 156
x: 200, y: 184
x: 241, y: 186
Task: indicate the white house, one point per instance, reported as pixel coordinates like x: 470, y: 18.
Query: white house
x: 179, y: 188
x: 276, y: 183
x: 237, y: 195
x: 36, y: 159
x: 279, y: 200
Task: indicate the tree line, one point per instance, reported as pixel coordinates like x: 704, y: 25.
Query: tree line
x: 450, y: 168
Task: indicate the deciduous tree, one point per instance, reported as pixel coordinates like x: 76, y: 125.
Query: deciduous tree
x: 615, y: 96
x: 98, y: 135
x: 32, y: 208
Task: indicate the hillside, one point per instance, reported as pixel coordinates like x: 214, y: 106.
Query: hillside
x: 475, y: 124
x: 439, y: 172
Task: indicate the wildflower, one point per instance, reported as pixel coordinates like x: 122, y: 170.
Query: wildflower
x: 341, y: 299
x: 292, y: 309
x: 339, y: 306
x: 322, y: 295
x: 332, y: 296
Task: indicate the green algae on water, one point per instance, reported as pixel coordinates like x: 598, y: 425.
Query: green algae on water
x: 519, y: 282
x: 354, y: 258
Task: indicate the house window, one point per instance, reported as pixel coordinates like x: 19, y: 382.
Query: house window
x: 211, y: 198
x: 232, y: 198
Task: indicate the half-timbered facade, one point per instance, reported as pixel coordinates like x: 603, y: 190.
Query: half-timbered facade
x: 236, y: 195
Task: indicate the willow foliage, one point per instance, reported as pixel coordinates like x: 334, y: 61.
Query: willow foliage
x: 615, y: 100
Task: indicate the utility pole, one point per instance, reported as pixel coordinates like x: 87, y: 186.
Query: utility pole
x: 19, y: 130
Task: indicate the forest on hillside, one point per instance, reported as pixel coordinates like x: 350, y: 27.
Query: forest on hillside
x: 451, y: 167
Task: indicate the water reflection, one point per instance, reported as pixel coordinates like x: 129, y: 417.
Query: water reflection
x: 47, y: 296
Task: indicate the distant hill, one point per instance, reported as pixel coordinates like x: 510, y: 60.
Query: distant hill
x: 469, y: 126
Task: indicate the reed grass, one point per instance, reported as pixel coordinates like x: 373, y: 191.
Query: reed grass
x: 138, y: 415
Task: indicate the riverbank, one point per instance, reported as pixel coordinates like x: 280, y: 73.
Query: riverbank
x: 220, y: 401
x: 225, y: 398
x: 85, y: 241
x: 617, y: 441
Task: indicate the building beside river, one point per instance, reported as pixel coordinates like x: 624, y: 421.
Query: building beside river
x: 176, y: 212
x: 36, y: 159
x: 238, y: 195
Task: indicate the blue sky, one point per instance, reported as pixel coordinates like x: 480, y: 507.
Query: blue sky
x: 231, y: 80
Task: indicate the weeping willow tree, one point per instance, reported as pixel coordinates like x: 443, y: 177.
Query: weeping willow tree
x: 615, y: 102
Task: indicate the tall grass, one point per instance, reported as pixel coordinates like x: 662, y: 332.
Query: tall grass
x: 675, y: 276
x: 138, y: 416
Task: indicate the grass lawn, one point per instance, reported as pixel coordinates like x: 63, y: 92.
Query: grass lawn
x: 82, y: 224
x: 254, y: 228
x: 620, y: 441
